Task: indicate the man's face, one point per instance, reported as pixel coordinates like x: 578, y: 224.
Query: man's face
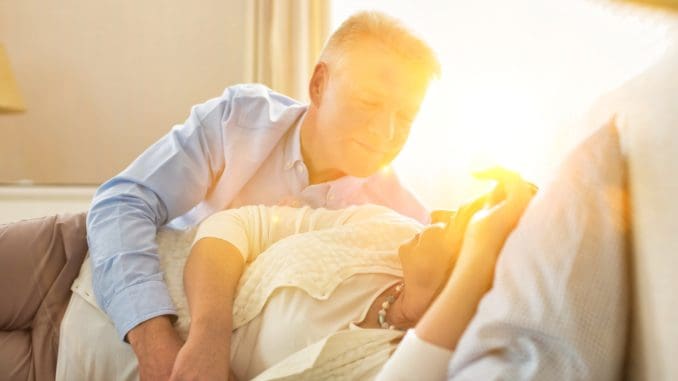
x: 367, y: 108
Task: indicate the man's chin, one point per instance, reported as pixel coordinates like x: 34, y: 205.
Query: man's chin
x: 363, y: 163
x: 364, y: 170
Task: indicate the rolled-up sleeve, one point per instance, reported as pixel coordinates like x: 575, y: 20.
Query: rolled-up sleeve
x: 167, y: 180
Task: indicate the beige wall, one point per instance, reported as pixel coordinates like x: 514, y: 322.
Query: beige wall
x: 20, y: 203
x: 104, y: 79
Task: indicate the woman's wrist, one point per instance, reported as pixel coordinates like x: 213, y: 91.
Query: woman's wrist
x: 211, y: 327
x: 480, y: 250
x: 475, y: 268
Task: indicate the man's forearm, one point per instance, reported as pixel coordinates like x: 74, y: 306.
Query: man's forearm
x: 156, y: 344
x: 148, y: 330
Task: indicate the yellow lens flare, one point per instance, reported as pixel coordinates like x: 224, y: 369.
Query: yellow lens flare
x: 500, y: 126
x: 513, y: 91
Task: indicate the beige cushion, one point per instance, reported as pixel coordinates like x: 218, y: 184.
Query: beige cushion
x: 648, y: 118
x: 558, y: 308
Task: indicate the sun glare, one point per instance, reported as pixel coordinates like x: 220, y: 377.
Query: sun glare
x: 386, y: 169
x: 516, y: 74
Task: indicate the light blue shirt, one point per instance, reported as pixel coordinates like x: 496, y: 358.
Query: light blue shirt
x: 241, y: 148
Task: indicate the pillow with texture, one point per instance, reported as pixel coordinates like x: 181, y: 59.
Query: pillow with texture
x: 558, y: 308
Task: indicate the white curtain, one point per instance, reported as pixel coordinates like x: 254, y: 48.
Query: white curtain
x: 283, y: 41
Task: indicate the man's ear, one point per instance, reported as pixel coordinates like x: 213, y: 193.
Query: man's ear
x: 316, y: 86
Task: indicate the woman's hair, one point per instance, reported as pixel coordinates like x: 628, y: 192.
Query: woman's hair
x: 385, y: 29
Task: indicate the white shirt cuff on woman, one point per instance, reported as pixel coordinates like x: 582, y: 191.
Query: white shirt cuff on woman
x: 416, y: 359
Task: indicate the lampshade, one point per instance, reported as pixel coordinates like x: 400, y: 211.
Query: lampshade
x: 10, y: 99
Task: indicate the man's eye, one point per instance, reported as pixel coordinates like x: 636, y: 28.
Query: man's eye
x: 368, y: 104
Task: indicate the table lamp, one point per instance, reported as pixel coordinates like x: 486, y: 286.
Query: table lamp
x: 10, y: 99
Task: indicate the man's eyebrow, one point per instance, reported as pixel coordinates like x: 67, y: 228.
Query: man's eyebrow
x: 357, y: 89
x: 409, y: 111
x: 361, y: 92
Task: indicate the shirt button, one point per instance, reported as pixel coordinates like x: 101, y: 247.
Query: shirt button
x: 300, y: 168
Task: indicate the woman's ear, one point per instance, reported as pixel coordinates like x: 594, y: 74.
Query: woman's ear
x: 316, y: 86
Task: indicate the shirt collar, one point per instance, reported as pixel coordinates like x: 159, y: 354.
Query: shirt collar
x: 292, y: 151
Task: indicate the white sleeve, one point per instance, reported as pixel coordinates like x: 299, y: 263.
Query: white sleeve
x: 406, y: 362
x: 252, y: 229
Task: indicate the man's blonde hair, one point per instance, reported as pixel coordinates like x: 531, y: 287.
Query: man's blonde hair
x: 385, y: 29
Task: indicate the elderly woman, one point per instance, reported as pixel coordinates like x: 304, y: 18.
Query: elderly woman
x: 263, y: 283
x: 307, y: 274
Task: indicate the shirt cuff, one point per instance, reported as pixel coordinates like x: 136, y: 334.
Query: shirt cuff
x: 138, y: 303
x: 405, y: 363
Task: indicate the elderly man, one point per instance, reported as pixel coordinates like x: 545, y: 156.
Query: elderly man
x: 254, y: 146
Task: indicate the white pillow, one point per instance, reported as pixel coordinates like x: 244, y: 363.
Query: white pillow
x: 558, y: 309
x: 87, y: 341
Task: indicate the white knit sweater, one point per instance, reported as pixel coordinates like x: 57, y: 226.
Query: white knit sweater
x: 313, y: 249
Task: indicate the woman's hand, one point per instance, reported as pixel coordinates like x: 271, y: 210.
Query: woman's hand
x: 203, y: 357
x: 455, y: 228
x: 449, y: 315
x: 429, y: 257
x: 490, y: 226
x: 206, y: 353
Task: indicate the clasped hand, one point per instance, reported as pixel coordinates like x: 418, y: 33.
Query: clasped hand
x: 429, y: 258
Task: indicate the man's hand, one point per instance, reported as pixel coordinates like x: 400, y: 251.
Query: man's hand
x: 156, y: 345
